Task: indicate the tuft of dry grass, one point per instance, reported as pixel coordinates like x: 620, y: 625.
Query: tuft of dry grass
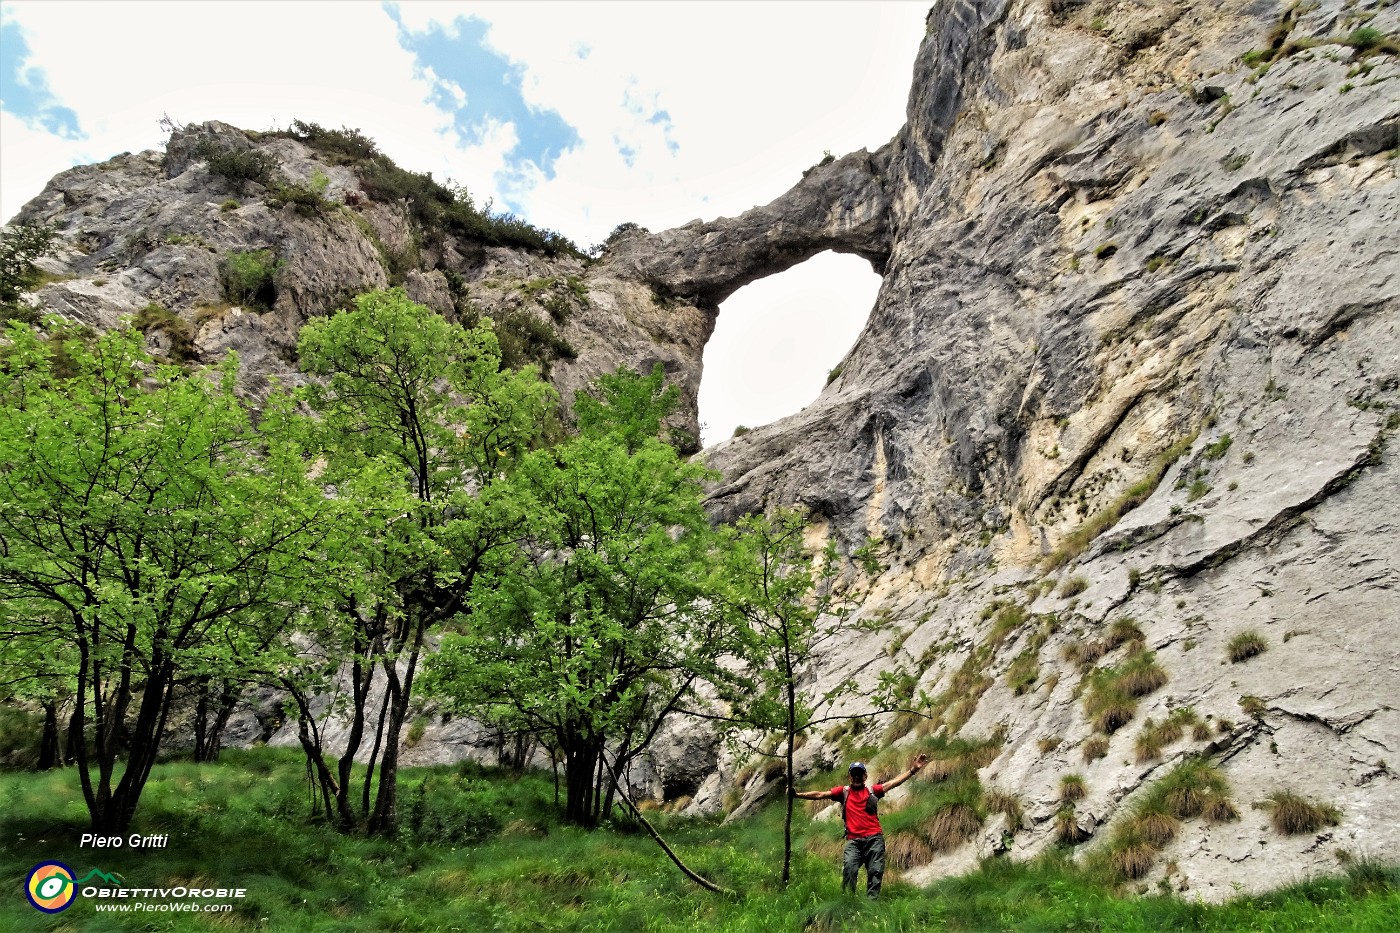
x: 1113, y: 717
x: 1009, y: 805
x: 1246, y: 645
x: 941, y: 769
x: 1073, y: 587
x: 1200, y: 732
x: 1187, y: 800
x: 1134, y: 860
x: 986, y: 753
x: 1158, y: 829
x: 1095, y: 748
x: 961, y: 712
x: 1008, y: 619
x: 1220, y: 810
x: 1113, y: 692
x: 1048, y: 744
x: 908, y: 850
x: 1149, y: 743
x: 1293, y: 815
x: 1141, y: 675
x: 1253, y: 706
x: 951, y: 826
x: 1022, y: 673
x: 826, y: 847
x: 1067, y: 826
x: 1072, y: 787
x: 1123, y: 632
x: 1155, y: 737
x: 1084, y: 654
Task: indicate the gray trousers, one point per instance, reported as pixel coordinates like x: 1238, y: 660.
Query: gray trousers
x: 870, y: 852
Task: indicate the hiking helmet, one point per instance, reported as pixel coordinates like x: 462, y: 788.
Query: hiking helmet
x: 857, y: 766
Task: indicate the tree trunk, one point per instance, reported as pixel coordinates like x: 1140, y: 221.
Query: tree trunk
x: 309, y: 735
x: 75, y: 736
x: 114, y: 818
x: 580, y: 770
x: 49, y: 741
x: 361, y: 677
x: 211, y: 716
x: 374, y: 754
x: 384, y: 820
x: 787, y: 778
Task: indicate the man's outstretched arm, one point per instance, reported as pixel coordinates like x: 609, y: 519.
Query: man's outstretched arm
x: 812, y: 794
x: 906, y: 774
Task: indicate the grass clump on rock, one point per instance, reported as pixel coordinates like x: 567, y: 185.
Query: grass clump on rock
x: 1246, y: 645
x: 1072, y: 787
x: 1073, y: 586
x: 1293, y: 815
x: 1157, y: 736
x: 1008, y: 805
x: 1022, y: 674
x: 1123, y: 632
x: 1193, y: 789
x: 155, y: 318
x: 1114, y: 691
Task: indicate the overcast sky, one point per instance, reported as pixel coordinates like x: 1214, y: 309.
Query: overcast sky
x: 577, y: 116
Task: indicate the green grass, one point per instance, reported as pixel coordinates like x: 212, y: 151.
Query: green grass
x: 1113, y: 692
x: 243, y: 821
x: 181, y: 335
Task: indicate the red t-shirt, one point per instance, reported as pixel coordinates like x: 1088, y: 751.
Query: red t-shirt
x: 859, y: 823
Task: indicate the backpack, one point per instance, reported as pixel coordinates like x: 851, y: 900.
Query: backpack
x: 872, y: 804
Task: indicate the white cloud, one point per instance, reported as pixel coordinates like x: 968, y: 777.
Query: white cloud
x: 756, y: 93
x: 120, y: 66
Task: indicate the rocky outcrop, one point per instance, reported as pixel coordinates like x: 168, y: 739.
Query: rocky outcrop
x: 840, y: 204
x: 1136, y: 344
x: 162, y: 228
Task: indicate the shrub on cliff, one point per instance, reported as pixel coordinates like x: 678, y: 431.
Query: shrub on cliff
x: 20, y: 246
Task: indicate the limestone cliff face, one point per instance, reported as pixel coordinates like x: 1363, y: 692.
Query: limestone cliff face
x: 1136, y: 355
x: 1125, y: 274
x: 161, y: 228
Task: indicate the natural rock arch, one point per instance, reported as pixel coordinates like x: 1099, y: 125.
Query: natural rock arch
x: 842, y: 205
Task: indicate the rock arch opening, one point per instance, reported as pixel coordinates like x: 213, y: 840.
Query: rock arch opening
x: 777, y: 339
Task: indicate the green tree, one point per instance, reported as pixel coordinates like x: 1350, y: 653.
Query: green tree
x: 593, y: 628
x: 420, y: 426
x: 20, y: 246
x: 143, y: 520
x: 789, y: 607
x: 31, y: 672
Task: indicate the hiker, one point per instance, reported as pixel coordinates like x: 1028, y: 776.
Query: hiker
x: 859, y: 807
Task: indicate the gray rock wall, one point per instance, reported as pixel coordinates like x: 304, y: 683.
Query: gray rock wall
x: 1109, y: 236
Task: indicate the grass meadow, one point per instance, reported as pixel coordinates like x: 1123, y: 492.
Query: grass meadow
x: 481, y: 849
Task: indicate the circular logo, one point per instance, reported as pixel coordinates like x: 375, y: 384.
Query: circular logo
x: 49, y: 887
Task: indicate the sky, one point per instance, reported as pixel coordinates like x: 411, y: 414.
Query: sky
x: 576, y: 116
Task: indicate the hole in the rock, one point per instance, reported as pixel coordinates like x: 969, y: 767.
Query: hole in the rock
x: 776, y: 340
x: 675, y: 788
